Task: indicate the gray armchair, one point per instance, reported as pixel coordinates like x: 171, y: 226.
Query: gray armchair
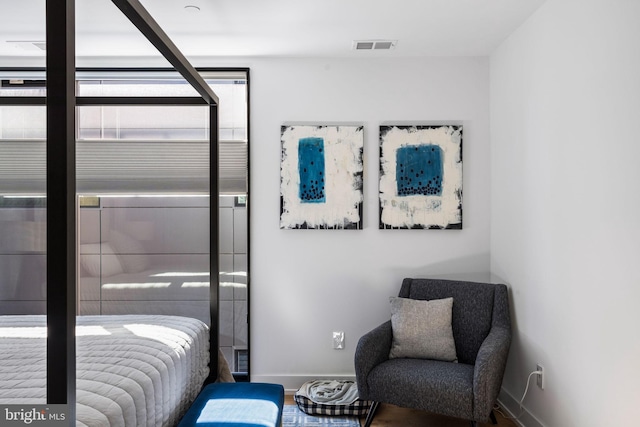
x: 467, y: 389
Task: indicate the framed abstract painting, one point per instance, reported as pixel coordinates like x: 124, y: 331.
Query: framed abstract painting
x: 421, y: 177
x: 321, y: 177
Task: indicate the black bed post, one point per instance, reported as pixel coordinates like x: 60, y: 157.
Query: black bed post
x: 145, y: 23
x: 61, y: 214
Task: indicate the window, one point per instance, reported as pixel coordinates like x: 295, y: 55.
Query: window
x: 143, y: 182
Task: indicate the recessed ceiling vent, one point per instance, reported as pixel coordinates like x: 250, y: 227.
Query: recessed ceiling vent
x: 374, y: 44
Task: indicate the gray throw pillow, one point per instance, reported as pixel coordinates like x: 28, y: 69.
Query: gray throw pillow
x: 422, y: 329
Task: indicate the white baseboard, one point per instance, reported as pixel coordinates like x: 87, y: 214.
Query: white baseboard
x: 512, y: 406
x: 292, y: 383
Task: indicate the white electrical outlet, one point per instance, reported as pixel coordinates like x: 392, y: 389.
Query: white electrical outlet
x: 338, y: 340
x: 540, y: 376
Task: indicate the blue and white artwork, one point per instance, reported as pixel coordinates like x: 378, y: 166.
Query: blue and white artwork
x: 321, y: 177
x: 421, y: 177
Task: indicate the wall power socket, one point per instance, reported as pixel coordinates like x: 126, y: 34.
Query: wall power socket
x: 540, y: 376
x: 338, y: 340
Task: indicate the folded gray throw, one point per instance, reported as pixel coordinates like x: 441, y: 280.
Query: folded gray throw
x: 330, y: 392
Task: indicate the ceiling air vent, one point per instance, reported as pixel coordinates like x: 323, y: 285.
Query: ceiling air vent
x: 374, y: 44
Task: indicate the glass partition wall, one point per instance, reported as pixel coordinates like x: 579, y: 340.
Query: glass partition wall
x: 23, y: 251
x: 142, y: 201
x: 143, y: 213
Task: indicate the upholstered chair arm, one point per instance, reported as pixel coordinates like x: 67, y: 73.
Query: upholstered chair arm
x: 373, y: 348
x: 488, y: 371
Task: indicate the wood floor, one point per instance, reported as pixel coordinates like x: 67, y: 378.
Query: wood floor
x: 394, y: 416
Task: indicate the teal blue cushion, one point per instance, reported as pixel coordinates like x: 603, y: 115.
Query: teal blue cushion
x: 236, y: 405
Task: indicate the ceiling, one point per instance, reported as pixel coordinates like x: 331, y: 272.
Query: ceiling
x: 223, y: 28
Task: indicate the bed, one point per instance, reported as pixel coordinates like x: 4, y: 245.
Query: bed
x: 131, y: 370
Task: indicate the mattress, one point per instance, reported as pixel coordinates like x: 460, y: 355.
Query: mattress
x: 131, y: 370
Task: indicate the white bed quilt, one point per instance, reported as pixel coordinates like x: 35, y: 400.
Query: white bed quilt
x: 131, y: 370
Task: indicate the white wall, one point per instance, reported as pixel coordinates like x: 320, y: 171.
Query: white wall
x: 565, y: 209
x: 307, y: 283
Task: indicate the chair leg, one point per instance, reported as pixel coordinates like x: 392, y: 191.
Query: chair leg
x: 492, y: 417
x: 371, y: 413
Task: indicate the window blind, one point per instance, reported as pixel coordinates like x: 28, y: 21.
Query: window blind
x: 127, y: 167
x: 131, y: 150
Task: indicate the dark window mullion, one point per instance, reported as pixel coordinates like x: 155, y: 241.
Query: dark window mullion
x: 140, y: 100
x: 214, y: 242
